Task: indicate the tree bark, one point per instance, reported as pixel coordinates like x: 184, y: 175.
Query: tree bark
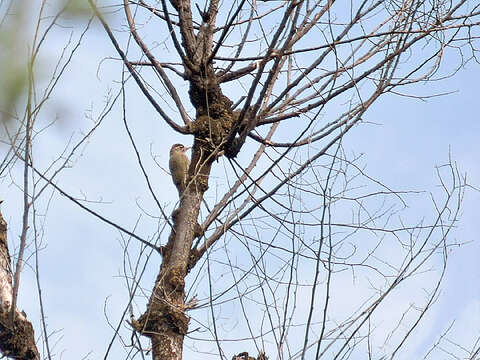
x: 17, y: 338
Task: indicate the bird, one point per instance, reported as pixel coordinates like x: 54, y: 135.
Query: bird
x: 179, y: 164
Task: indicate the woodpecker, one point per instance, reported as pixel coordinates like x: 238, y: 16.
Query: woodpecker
x: 179, y: 164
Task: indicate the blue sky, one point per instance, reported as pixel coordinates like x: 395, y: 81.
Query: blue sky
x: 82, y: 259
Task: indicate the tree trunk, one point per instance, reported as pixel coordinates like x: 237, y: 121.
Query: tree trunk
x: 17, y: 338
x: 165, y: 321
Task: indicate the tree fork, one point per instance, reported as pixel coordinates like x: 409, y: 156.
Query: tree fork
x: 165, y: 320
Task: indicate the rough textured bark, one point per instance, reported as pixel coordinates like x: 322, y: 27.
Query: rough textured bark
x: 17, y: 338
x: 165, y: 320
